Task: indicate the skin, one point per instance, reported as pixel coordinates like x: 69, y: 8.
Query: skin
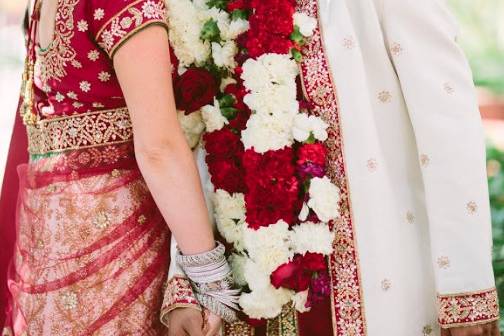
x: 164, y: 157
x: 489, y: 329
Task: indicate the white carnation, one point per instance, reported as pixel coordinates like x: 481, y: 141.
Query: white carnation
x: 224, y: 55
x: 275, y: 100
x: 268, y: 71
x: 306, y: 24
x: 305, y: 211
x: 237, y: 263
x: 192, y: 125
x: 265, y: 132
x: 254, y: 275
x: 212, y: 116
x: 299, y: 300
x: 184, y: 32
x: 304, y: 125
x: 230, y: 216
x: 235, y: 28
x: 266, y: 303
x: 269, y: 247
x: 324, y: 198
x: 311, y: 237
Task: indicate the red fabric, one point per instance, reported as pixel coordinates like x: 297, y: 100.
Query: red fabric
x: 8, y: 198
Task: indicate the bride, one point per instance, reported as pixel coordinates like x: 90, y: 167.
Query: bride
x: 109, y: 178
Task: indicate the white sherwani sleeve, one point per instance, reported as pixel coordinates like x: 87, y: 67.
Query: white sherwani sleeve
x: 438, y: 89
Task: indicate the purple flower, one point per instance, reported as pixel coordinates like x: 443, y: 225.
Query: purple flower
x: 320, y: 288
x: 310, y: 169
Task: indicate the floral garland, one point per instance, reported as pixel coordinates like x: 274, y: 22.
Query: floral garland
x: 237, y: 82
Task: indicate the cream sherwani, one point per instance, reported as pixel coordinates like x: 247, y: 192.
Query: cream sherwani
x: 415, y: 235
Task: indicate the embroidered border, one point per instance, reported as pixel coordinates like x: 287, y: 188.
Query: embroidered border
x: 178, y: 294
x: 346, y: 291
x: 284, y: 325
x: 468, y: 308
x: 129, y: 21
x: 80, y: 131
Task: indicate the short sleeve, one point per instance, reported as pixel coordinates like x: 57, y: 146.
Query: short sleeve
x: 115, y: 21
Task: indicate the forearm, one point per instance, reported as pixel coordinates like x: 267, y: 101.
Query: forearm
x: 172, y: 177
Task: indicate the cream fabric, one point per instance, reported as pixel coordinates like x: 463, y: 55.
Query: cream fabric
x: 415, y: 155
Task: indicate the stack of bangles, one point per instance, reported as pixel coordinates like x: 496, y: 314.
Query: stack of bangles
x: 212, y: 280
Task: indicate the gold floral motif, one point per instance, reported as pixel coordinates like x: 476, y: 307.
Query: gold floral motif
x: 396, y: 49
x: 443, y: 262
x: 142, y: 219
x: 427, y: 330
x: 69, y: 300
x: 239, y: 328
x: 424, y: 160
x: 80, y: 131
x: 101, y: 220
x: 348, y: 42
x: 51, y: 63
x: 386, y: 284
x: 472, y: 207
x: 385, y: 97
x: 410, y: 217
x: 372, y: 165
x: 468, y: 308
x: 130, y: 20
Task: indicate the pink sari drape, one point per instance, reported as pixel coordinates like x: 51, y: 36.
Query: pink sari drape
x: 17, y: 155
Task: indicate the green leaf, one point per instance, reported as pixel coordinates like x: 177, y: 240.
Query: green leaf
x: 221, y: 4
x: 296, y: 36
x: 229, y: 112
x: 211, y: 31
x: 227, y: 100
x: 296, y: 54
x: 239, y: 14
x: 311, y: 139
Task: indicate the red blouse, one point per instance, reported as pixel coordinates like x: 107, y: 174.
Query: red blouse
x: 75, y: 73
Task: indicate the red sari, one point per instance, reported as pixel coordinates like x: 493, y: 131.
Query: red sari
x: 92, y: 249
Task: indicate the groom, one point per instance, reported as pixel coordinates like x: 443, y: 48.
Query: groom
x: 412, y: 253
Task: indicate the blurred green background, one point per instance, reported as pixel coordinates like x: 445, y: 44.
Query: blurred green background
x: 481, y: 36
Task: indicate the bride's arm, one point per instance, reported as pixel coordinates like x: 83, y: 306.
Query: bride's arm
x: 164, y: 157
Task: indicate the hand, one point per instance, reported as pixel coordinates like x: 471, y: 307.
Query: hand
x: 185, y: 322
x: 213, y: 324
x: 489, y: 329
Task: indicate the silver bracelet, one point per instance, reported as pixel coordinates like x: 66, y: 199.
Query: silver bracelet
x: 212, y: 280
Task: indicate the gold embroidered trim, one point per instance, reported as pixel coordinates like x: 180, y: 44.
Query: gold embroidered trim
x: 285, y: 324
x: 129, y: 21
x: 347, y: 306
x: 134, y: 31
x: 239, y: 328
x: 80, y: 131
x: 463, y: 309
x: 51, y: 62
x: 178, y: 294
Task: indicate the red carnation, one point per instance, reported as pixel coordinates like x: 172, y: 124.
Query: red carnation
x: 223, y: 144
x: 237, y: 4
x: 312, y: 153
x: 227, y: 175
x: 298, y: 274
x: 195, y: 88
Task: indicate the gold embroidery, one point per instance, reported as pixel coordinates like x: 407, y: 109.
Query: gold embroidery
x: 386, y: 284
x: 118, y: 28
x: 372, y: 165
x: 396, y: 49
x: 468, y: 308
x: 51, y: 63
x: 348, y: 42
x: 80, y: 131
x: 410, y: 217
x: 385, y: 97
x: 239, y: 328
x: 443, y: 262
x: 285, y: 324
x: 424, y: 160
x: 101, y: 221
x: 448, y: 88
x: 142, y: 219
x: 178, y: 293
x: 472, y: 207
x: 427, y: 330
